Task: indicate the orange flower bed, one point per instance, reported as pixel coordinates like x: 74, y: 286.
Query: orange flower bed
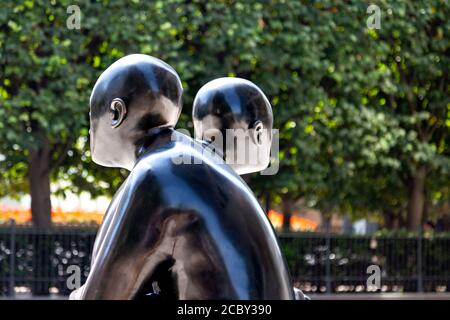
x: 276, y: 219
x: 60, y: 216
x: 23, y: 216
x: 297, y: 223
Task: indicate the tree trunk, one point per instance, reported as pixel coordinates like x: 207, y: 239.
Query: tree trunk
x: 389, y: 219
x: 426, y: 209
x: 392, y: 218
x: 39, y: 178
x: 267, y: 202
x: 326, y: 220
x: 416, y: 199
x: 287, y: 207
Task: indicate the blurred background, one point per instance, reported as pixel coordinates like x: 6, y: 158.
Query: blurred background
x: 360, y: 94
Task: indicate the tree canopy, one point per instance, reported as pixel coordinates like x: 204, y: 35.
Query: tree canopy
x: 363, y: 114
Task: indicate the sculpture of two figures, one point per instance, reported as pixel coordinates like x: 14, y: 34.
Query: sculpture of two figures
x: 183, y: 225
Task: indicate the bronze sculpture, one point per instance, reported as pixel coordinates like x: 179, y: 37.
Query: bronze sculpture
x: 235, y: 116
x: 172, y: 229
x: 228, y: 104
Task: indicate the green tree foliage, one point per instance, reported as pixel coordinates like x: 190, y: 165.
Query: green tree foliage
x: 363, y: 114
x: 375, y: 136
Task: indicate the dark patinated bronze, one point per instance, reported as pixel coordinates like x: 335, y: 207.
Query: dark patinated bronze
x: 229, y: 103
x: 174, y: 230
x: 235, y: 116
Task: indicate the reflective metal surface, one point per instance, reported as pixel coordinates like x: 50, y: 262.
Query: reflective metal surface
x: 141, y: 91
x: 173, y: 230
x: 235, y: 116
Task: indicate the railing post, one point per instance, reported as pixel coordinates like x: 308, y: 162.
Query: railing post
x: 12, y: 259
x: 419, y: 262
x: 328, y: 263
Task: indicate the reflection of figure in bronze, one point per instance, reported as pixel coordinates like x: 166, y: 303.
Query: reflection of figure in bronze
x: 236, y: 117
x: 172, y: 228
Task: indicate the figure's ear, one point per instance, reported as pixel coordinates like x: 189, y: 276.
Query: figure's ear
x: 257, y: 131
x: 118, y: 112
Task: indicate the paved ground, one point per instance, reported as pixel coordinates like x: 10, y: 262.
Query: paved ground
x: 341, y: 296
x: 28, y: 296
x: 381, y: 296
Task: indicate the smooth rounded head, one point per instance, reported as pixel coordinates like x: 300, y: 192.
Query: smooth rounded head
x: 235, y: 116
x: 132, y: 96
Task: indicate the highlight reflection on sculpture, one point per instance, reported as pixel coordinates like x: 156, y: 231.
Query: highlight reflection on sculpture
x: 183, y: 231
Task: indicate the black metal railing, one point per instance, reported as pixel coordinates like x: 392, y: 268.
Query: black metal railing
x: 340, y: 263
x: 36, y: 260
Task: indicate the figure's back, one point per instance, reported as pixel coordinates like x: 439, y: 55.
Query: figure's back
x: 223, y: 238
x: 194, y: 229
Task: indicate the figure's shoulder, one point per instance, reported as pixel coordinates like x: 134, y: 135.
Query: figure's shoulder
x: 181, y: 162
x: 183, y: 166
x: 182, y: 156
x: 197, y: 189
